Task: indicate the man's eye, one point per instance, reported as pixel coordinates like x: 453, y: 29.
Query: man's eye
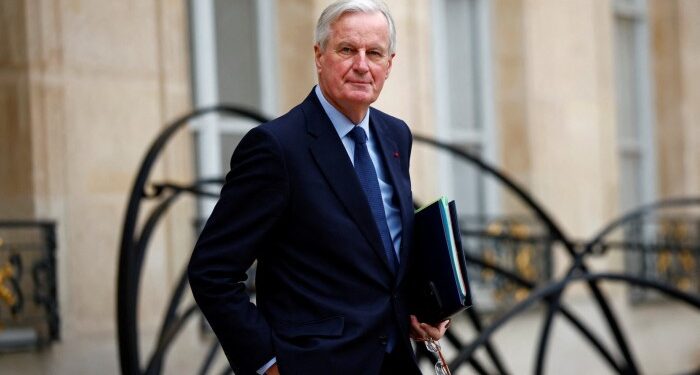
x: 376, y: 56
x: 345, y: 50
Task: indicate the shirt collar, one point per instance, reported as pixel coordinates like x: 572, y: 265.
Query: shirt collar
x: 342, y: 124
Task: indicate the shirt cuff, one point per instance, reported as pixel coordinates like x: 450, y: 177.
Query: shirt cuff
x: 267, y: 366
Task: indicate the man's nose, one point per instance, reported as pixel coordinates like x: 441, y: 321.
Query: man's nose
x: 361, y: 64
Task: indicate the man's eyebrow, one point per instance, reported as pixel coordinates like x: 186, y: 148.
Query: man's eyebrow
x: 377, y: 47
x: 345, y: 43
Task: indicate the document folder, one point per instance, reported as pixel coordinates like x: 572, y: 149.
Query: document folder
x: 438, y: 270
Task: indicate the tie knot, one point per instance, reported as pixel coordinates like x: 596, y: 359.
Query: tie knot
x: 358, y: 135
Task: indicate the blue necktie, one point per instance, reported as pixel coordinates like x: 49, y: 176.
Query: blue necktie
x: 370, y: 184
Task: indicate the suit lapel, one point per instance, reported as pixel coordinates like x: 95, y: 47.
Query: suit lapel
x: 392, y: 160
x: 332, y: 159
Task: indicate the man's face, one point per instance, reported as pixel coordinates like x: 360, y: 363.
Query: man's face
x: 356, y: 61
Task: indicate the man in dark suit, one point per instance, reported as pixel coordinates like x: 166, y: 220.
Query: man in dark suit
x: 321, y: 198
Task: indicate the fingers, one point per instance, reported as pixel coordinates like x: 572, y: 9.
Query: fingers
x: 434, y: 332
x: 417, y: 332
x: 423, y: 331
x: 445, y: 325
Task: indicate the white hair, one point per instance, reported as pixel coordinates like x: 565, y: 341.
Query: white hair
x: 336, y: 10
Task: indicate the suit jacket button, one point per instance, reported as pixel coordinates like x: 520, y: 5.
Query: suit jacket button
x: 383, y: 340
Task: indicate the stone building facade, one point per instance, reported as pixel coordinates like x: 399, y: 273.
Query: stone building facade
x: 591, y: 105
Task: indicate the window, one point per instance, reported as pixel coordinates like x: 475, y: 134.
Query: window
x: 465, y: 117
x: 634, y: 104
x: 233, y: 62
x: 636, y: 150
x: 464, y: 100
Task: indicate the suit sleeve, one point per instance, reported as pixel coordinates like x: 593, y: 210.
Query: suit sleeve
x: 252, y: 200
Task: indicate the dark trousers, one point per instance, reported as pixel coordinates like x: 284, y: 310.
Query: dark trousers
x: 399, y: 362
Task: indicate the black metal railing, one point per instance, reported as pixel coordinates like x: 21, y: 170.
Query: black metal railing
x: 515, y: 243
x: 510, y: 258
x: 29, y: 316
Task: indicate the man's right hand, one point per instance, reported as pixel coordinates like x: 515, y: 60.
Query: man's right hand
x: 274, y: 370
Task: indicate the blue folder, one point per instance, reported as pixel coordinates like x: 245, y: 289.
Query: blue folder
x: 438, y: 282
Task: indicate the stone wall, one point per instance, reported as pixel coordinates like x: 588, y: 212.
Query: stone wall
x: 84, y: 88
x: 86, y: 85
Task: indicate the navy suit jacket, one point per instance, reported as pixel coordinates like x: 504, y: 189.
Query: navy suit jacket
x: 326, y: 297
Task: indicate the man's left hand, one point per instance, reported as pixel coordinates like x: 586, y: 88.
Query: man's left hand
x: 424, y: 331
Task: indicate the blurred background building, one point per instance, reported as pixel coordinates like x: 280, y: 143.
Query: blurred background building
x: 591, y: 105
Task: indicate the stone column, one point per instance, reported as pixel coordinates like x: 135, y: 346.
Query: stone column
x: 689, y: 47
x: 296, y: 22
x: 16, y: 181
x: 85, y: 86
x: 664, y: 17
x: 570, y: 110
x: 676, y: 52
x: 511, y: 94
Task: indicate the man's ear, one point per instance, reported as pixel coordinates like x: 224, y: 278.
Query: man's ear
x: 389, y: 63
x: 317, y: 57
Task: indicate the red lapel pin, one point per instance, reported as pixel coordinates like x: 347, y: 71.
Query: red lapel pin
x: 396, y: 154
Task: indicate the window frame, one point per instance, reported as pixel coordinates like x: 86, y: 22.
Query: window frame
x: 484, y: 136
x: 210, y: 129
x: 640, y: 148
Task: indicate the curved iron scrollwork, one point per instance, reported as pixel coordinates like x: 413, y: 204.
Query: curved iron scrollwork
x: 134, y: 241
x: 518, y: 274
x: 10, y: 276
x: 29, y: 317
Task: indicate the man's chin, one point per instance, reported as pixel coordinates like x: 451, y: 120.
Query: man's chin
x: 359, y: 88
x: 365, y: 98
